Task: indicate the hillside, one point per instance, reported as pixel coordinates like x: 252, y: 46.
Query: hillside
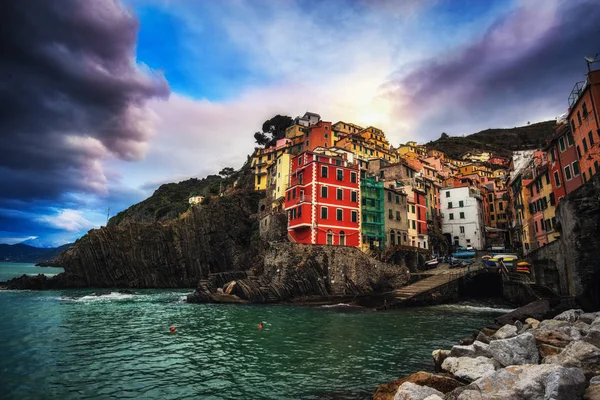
x: 29, y: 254
x: 501, y: 142
x: 171, y: 199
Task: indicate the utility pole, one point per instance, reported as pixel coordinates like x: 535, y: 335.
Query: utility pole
x: 107, y: 215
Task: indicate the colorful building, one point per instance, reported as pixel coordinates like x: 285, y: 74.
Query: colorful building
x: 323, y: 200
x: 583, y: 116
x: 396, y: 218
x: 462, y: 211
x: 372, y: 213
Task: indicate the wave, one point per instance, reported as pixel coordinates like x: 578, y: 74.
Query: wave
x: 464, y: 307
x: 102, y: 297
x: 337, y: 305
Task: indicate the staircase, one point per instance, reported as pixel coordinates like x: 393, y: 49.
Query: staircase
x: 543, y: 292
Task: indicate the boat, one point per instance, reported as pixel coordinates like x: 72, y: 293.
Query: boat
x: 464, y: 254
x: 432, y: 263
x: 523, y: 267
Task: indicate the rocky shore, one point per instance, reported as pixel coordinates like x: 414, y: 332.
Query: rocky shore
x: 531, y: 359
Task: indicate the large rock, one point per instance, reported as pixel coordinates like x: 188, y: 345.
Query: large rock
x: 593, y: 337
x: 439, y: 382
x: 505, y: 332
x: 569, y: 315
x: 593, y: 391
x: 438, y: 358
x: 547, y: 350
x: 588, y: 318
x: 481, y: 337
x: 580, y: 355
x: 469, y: 369
x: 515, y: 351
x: 552, y: 325
x: 525, y: 382
x: 553, y: 338
x: 533, y: 322
x: 475, y: 350
x: 412, y: 391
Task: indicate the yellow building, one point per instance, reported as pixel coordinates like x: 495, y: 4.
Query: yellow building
x: 278, y: 178
x: 263, y: 158
x: 474, y: 169
x: 342, y: 129
x: 549, y: 213
x: 412, y: 148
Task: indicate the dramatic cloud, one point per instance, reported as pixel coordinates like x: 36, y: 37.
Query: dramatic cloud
x: 71, y: 96
x: 69, y: 220
x: 520, y: 70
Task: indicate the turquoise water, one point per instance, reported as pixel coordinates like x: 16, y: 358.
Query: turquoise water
x: 74, y: 345
x: 13, y: 270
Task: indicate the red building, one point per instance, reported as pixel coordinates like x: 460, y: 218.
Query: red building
x: 499, y: 161
x: 323, y: 200
x: 584, y: 110
x: 563, y: 164
x: 421, y: 220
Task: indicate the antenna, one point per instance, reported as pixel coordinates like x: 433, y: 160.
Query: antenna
x: 107, y: 216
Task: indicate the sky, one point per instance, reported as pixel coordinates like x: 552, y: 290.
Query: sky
x: 103, y: 101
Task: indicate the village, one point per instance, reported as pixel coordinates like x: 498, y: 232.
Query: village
x: 345, y: 185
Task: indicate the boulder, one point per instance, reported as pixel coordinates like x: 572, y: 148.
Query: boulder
x: 412, y: 391
x: 548, y: 350
x: 518, y: 324
x: 569, y: 315
x: 467, y: 341
x: 488, y: 331
x: 469, y: 369
x: 593, y: 337
x: 443, y: 383
x: 475, y: 350
x: 433, y: 397
x: 505, y: 332
x: 595, y: 323
x: 518, y: 350
x: 525, y: 382
x: 481, y: 337
x: 438, y: 358
x: 588, y: 318
x: 533, y: 322
x: 593, y: 391
x: 552, y: 324
x: 553, y: 338
x: 582, y: 327
x: 524, y: 328
x: 579, y: 355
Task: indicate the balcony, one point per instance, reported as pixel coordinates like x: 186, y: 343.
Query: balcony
x: 576, y: 92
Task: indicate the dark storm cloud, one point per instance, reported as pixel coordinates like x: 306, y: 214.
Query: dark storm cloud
x: 70, y: 95
x: 522, y: 68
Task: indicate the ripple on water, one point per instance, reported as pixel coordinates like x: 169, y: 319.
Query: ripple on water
x: 74, y: 345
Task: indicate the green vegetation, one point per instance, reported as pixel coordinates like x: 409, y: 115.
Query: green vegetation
x: 501, y: 142
x: 172, y: 199
x: 272, y: 130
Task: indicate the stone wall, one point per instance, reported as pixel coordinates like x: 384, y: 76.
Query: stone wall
x: 572, y: 263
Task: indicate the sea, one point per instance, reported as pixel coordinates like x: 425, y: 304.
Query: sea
x: 102, y: 344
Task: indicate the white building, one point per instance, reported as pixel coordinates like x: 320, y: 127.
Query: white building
x: 196, y: 200
x: 462, y: 216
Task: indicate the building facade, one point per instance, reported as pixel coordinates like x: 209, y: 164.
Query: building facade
x: 396, y: 217
x: 462, y: 211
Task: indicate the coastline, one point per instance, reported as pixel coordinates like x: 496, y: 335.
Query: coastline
x: 534, y: 348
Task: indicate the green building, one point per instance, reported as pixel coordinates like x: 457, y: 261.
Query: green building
x: 372, y: 214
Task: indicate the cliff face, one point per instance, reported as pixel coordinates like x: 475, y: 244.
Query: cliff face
x: 570, y: 265
x: 178, y: 253
x: 290, y: 270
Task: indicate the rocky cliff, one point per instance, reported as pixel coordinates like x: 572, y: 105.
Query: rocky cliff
x: 220, y: 236
x: 293, y: 271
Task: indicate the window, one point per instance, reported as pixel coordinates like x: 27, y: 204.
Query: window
x: 584, y: 109
x: 300, y: 160
x: 585, y: 147
x: 578, y: 152
x: 552, y: 155
x: 397, y: 199
x: 324, y: 212
x: 398, y: 218
x: 490, y: 198
x: 339, y: 214
x: 451, y: 216
x: 329, y: 237
x: 462, y: 229
x: 342, y: 238
x: 572, y: 124
x: 461, y: 203
x: 294, y: 193
x: 413, y: 225
x: 390, y: 197
x: 340, y: 175
x: 552, y: 199
x: 413, y: 209
x: 491, y: 207
x: 447, y: 194
x: 561, y: 143
x: 353, y: 177
x: 570, y: 137
x: 591, y: 138
x: 324, y: 171
x: 492, y: 217
x: 556, y: 179
x: 576, y: 168
x: 568, y: 172
x: 547, y: 178
x: 579, y: 117
x: 353, y: 197
x: 536, y: 227
x: 449, y: 204
x: 324, y: 192
x: 299, y: 211
x: 501, y: 206
x: 339, y: 194
x: 390, y: 214
x: 462, y: 215
x: 300, y: 179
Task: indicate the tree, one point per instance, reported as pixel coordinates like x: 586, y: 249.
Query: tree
x: 272, y: 130
x: 227, y: 171
x: 444, y: 135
